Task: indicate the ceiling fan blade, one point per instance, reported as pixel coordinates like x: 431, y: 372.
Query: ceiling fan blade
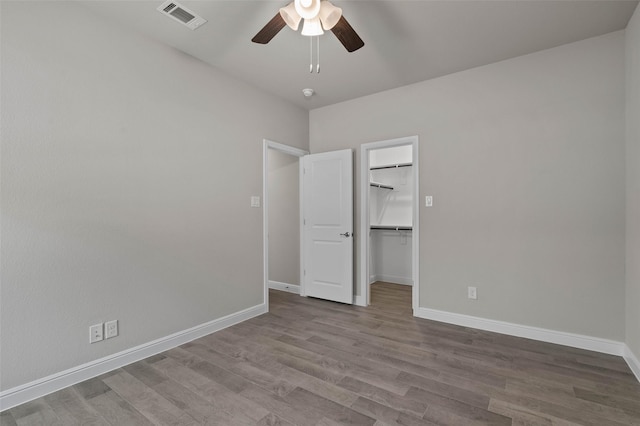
x: 270, y: 30
x: 347, y: 35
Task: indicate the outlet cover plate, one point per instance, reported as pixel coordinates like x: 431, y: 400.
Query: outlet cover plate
x: 110, y: 329
x: 96, y: 333
x: 472, y: 293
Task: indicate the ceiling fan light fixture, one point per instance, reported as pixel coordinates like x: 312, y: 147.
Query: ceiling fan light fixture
x: 291, y: 16
x: 308, y: 9
x: 329, y: 14
x: 312, y: 27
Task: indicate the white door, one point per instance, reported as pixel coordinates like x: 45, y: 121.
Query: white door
x: 328, y: 226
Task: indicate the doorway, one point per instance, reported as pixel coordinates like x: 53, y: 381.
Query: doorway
x: 282, y: 213
x: 321, y: 222
x: 389, y: 215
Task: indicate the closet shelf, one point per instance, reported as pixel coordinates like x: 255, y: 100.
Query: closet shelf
x: 392, y: 227
x: 381, y: 185
x: 391, y: 166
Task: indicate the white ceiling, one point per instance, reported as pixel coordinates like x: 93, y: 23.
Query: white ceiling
x: 405, y: 41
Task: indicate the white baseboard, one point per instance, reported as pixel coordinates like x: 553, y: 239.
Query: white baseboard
x: 359, y: 301
x: 291, y: 288
x: 41, y: 387
x: 545, y: 335
x: 633, y: 362
x: 393, y: 279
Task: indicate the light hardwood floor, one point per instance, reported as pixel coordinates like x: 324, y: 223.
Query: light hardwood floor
x: 313, y: 362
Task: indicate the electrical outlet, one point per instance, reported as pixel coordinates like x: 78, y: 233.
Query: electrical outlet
x: 96, y: 333
x: 472, y: 293
x: 110, y: 329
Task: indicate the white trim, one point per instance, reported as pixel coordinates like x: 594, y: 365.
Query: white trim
x: 413, y: 141
x: 393, y: 279
x: 633, y: 362
x: 302, y: 289
x: 41, y: 387
x: 291, y: 288
x: 286, y: 149
x: 265, y: 221
x: 296, y: 152
x: 359, y: 300
x: 580, y: 341
x: 415, y: 291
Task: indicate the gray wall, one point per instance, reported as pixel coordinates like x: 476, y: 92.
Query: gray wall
x: 633, y: 183
x: 525, y: 160
x: 127, y: 171
x: 284, y: 218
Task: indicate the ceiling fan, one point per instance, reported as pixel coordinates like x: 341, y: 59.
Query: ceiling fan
x: 318, y: 15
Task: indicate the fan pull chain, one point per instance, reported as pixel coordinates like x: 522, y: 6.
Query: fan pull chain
x: 318, y: 52
x: 311, y: 55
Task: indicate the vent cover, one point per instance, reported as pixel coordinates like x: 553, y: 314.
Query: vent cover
x: 181, y: 14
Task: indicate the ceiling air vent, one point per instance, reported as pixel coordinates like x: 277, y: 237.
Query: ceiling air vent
x: 181, y: 14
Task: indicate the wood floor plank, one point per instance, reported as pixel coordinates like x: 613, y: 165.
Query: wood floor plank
x: 328, y: 422
x: 556, y: 412
x: 319, y: 363
x: 223, y: 400
x: 415, y: 406
x: 269, y: 362
x: 117, y: 411
x: 521, y: 415
x: 388, y: 415
x: 144, y: 372
x: 202, y: 410
x: 570, y: 399
x: 329, y: 409
x: 631, y: 407
x: 420, y: 385
x: 147, y: 401
x: 6, y: 419
x: 302, y: 416
x: 72, y: 409
x: 92, y: 388
x: 255, y: 374
x: 449, y: 409
x: 273, y: 420
x: 375, y: 373
x: 37, y: 412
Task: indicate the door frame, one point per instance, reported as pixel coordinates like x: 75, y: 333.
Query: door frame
x: 296, y: 152
x: 365, y: 240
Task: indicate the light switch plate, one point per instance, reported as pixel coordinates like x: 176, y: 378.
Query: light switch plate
x: 428, y: 200
x: 255, y: 201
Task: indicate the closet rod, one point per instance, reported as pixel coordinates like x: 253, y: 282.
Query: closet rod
x: 394, y: 166
x: 380, y: 185
x: 393, y: 228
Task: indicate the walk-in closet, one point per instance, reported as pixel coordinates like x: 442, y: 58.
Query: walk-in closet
x: 391, y: 214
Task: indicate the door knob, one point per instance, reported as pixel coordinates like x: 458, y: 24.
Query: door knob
x: 346, y: 234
